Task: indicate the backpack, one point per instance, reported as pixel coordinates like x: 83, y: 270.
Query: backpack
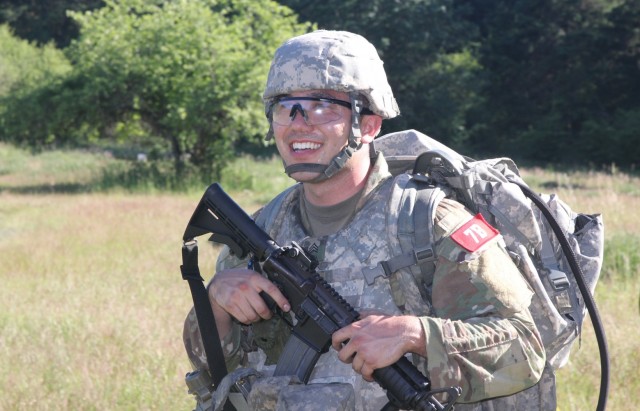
x: 558, y: 251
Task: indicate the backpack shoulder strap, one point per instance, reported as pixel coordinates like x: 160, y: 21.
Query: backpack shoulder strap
x: 426, y: 201
x: 413, y: 203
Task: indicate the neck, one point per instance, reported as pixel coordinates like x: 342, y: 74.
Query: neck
x: 343, y: 185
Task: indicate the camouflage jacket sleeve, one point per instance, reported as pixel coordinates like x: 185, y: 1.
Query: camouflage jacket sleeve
x: 482, y: 336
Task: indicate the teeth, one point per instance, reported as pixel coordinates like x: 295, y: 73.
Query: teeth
x: 305, y: 146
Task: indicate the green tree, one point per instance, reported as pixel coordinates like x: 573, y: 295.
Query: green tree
x: 556, y: 72
x: 25, y: 69
x: 189, y: 71
x: 24, y: 65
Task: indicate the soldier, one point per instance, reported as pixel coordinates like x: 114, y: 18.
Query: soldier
x: 467, y: 325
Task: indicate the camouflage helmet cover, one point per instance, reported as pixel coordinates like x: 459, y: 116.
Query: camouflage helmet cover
x: 334, y: 60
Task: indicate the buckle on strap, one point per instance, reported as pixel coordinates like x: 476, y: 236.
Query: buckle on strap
x: 189, y: 267
x: 559, y: 280
x: 390, y: 266
x: 424, y: 255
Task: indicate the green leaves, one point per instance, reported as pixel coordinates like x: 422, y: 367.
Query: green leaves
x: 545, y: 80
x: 189, y: 71
x: 24, y: 66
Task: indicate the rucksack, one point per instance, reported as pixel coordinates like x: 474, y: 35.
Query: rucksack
x: 558, y: 251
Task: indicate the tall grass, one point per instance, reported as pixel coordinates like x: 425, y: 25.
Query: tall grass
x: 62, y: 171
x: 83, y: 171
x: 92, y: 302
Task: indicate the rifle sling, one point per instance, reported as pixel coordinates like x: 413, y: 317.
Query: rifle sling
x: 204, y: 314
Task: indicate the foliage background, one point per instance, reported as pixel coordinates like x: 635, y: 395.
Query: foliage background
x: 544, y: 81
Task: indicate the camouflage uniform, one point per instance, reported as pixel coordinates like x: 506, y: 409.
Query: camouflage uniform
x: 479, y: 332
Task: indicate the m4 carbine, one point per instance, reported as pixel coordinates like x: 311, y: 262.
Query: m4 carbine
x: 318, y: 308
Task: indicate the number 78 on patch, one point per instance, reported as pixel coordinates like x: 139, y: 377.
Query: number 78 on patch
x: 474, y: 234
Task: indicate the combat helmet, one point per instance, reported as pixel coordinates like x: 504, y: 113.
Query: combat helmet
x: 331, y: 60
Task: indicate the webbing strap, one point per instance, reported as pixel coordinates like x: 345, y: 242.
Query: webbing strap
x: 559, y: 282
x: 427, y: 199
x: 204, y: 314
x: 390, y: 266
x: 423, y: 254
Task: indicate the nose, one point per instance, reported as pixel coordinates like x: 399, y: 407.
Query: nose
x: 293, y: 114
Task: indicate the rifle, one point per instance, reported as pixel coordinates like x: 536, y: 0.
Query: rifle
x: 318, y: 308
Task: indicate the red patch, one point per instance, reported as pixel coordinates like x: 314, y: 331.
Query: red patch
x: 474, y: 234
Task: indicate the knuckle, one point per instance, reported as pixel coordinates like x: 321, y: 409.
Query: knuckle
x: 357, y: 340
x: 264, y: 312
x: 272, y: 289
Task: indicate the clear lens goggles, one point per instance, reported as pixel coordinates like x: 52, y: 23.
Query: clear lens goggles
x: 314, y: 110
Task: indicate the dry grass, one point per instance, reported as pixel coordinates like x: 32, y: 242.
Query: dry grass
x: 92, y: 302
x: 616, y: 196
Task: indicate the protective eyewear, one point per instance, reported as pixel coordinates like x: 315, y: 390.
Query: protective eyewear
x: 314, y: 110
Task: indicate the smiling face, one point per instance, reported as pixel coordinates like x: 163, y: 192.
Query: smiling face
x: 299, y: 143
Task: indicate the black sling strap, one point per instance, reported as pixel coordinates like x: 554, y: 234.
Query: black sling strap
x: 204, y: 313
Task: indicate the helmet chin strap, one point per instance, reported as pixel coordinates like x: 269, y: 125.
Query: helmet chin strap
x: 326, y: 171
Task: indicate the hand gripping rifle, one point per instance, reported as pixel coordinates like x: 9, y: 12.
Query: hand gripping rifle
x: 318, y: 308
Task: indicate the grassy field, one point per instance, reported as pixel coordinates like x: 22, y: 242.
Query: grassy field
x: 92, y: 302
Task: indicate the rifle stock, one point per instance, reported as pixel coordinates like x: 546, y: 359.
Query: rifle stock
x: 319, y: 309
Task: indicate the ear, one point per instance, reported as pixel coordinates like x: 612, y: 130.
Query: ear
x: 370, y: 126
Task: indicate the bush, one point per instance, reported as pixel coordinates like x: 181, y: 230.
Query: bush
x: 26, y: 66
